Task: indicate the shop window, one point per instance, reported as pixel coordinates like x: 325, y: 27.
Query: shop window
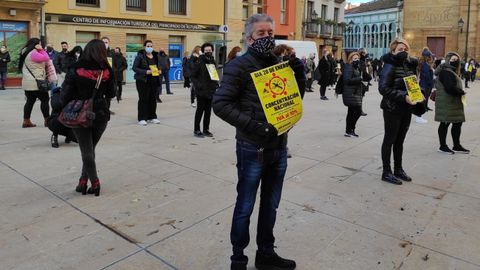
x: 82, y: 38
x: 136, y: 5
x: 335, y: 14
x: 283, y: 11
x: 88, y: 3
x: 177, y: 7
x: 245, y: 12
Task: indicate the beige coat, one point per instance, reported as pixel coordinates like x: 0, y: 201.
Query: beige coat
x: 38, y: 69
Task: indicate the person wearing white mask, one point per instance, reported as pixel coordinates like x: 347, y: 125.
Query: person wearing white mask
x: 146, y: 76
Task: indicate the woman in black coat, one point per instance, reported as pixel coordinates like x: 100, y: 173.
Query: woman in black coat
x: 397, y: 108
x: 352, y: 93
x: 79, y: 84
x: 119, y: 64
x: 323, y: 74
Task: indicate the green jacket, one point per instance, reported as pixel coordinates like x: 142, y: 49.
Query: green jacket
x: 448, y: 102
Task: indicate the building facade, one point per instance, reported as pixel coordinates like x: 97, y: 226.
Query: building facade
x: 323, y: 22
x: 443, y: 26
x: 175, y: 25
x: 19, y: 21
x: 373, y: 26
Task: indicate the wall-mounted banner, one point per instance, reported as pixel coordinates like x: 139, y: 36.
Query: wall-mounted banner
x: 278, y: 92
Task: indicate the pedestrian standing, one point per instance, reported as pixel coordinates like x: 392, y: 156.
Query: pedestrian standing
x: 205, y: 86
x: 234, y: 53
x: 261, y: 154
x: 468, y: 72
x: 33, y: 65
x: 146, y: 71
x: 309, y: 69
x: 352, y: 92
x: 4, y: 59
x: 186, y: 70
x: 80, y: 82
x: 397, y: 108
x: 164, y: 66
x: 51, y: 52
x: 119, y: 65
x: 425, y: 74
x: 324, y: 74
x: 365, y: 71
x: 448, y: 103
x: 59, y: 63
x: 192, y: 61
x: 474, y: 70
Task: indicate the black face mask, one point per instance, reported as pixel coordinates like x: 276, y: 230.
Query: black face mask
x: 401, y: 55
x: 49, y: 49
x: 285, y: 58
x: 455, y: 64
x: 264, y: 45
x: 355, y: 63
x: 208, y: 55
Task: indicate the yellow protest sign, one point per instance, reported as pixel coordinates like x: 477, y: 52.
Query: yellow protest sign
x: 212, y: 70
x: 413, y: 88
x: 464, y: 101
x: 110, y: 61
x: 278, y: 92
x: 154, y: 70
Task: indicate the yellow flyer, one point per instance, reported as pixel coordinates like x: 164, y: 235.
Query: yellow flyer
x: 154, y: 70
x: 109, y: 59
x: 278, y: 92
x: 212, y: 70
x: 464, y: 101
x: 413, y: 88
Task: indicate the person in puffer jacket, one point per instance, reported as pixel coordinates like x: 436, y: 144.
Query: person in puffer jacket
x: 79, y: 84
x: 397, y: 107
x: 352, y: 92
x: 33, y: 65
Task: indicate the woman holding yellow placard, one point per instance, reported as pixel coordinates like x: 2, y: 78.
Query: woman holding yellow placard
x: 449, y: 103
x: 397, y: 107
x: 146, y: 71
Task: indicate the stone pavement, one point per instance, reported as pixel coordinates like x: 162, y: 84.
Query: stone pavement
x: 167, y: 197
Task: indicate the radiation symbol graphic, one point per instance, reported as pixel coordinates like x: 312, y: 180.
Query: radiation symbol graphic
x: 277, y: 86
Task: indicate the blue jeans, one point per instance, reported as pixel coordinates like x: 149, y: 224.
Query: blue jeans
x: 164, y: 75
x: 254, y: 167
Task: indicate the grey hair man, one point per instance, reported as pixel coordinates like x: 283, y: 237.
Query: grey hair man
x: 261, y: 152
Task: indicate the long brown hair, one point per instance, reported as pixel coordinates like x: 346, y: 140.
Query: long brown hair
x: 95, y: 52
x: 233, y: 53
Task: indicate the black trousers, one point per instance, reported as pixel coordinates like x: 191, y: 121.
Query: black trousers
x: 204, y: 107
x: 353, y: 114
x: 32, y: 98
x: 468, y: 76
x: 456, y: 131
x: 87, y: 141
x: 427, y: 92
x: 309, y: 84
x: 323, y: 90
x: 396, y: 128
x: 147, y: 100
x: 119, y: 90
x: 192, y: 94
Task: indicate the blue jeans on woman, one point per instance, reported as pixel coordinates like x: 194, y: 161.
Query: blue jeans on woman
x: 255, y: 166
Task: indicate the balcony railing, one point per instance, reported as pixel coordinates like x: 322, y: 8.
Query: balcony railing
x: 324, y: 29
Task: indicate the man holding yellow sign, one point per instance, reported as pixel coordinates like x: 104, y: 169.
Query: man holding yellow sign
x: 261, y: 98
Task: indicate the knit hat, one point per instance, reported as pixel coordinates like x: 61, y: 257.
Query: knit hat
x: 426, y: 52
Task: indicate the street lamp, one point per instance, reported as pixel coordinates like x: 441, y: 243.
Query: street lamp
x: 350, y: 25
x: 314, y: 15
x: 460, y: 25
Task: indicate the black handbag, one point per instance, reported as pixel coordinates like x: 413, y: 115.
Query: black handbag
x: 42, y: 85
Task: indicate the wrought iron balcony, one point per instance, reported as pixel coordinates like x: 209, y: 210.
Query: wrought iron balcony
x: 324, y: 29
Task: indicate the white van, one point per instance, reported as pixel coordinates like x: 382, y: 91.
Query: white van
x: 302, y: 48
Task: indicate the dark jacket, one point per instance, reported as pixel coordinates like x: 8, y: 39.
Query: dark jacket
x: 140, y: 65
x: 237, y: 101
x: 4, y: 59
x: 426, y: 76
x: 352, y: 86
x: 79, y: 83
x: 119, y: 64
x: 204, y: 85
x: 59, y: 63
x: 163, y: 61
x: 186, y: 70
x: 324, y: 72
x: 448, y: 102
x: 391, y: 84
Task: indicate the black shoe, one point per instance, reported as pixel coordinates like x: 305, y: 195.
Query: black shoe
x: 198, y: 133
x: 273, y: 262
x: 402, y: 175
x: 363, y: 114
x: 54, y: 141
x: 460, y: 149
x: 389, y: 177
x: 238, y: 266
x: 159, y: 100
x: 354, y: 134
x: 169, y: 93
x: 324, y: 98
x: 444, y: 149
x: 207, y: 133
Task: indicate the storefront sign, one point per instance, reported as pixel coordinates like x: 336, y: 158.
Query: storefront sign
x: 13, y: 26
x: 135, y: 23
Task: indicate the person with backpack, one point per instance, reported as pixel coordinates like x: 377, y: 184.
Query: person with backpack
x: 90, y: 78
x: 352, y: 94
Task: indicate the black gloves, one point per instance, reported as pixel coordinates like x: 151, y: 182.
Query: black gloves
x: 262, y: 129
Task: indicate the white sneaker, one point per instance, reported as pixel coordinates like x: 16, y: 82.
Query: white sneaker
x: 142, y: 123
x: 154, y: 121
x: 421, y: 120
x: 193, y: 105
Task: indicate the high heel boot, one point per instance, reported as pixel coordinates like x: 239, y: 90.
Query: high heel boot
x: 82, y: 186
x: 95, y: 188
